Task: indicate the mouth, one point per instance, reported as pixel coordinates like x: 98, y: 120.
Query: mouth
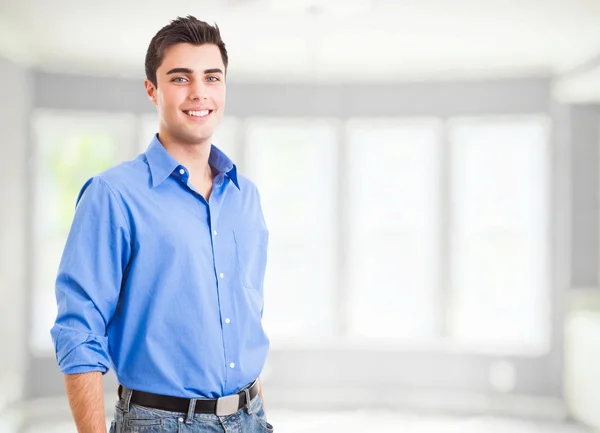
x: 198, y: 114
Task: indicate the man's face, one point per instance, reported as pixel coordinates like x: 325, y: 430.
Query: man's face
x: 190, y: 93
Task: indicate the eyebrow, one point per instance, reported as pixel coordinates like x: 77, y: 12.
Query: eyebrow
x: 191, y: 71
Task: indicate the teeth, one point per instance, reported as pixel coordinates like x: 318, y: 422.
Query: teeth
x: 198, y: 113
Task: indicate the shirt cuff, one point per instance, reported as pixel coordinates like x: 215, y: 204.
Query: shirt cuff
x: 79, y: 352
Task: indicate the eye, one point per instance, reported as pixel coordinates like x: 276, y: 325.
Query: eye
x: 179, y: 80
x: 212, y: 78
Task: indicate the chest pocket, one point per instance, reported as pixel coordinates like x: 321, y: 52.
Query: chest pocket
x: 251, y: 249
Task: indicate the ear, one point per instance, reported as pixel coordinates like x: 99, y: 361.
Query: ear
x: 150, y: 91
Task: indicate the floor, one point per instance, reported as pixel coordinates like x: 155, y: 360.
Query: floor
x: 381, y: 422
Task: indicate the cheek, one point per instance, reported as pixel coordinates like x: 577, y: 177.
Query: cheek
x: 171, y: 100
x: 162, y: 100
x: 218, y: 96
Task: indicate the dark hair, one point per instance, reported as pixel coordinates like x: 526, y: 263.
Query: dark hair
x: 181, y: 30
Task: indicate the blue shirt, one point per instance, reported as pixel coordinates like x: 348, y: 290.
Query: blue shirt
x: 161, y: 285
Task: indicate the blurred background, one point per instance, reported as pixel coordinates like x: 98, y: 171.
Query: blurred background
x: 429, y: 176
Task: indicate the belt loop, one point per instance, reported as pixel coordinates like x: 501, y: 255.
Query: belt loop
x: 191, y: 410
x: 248, y: 408
x: 125, y: 399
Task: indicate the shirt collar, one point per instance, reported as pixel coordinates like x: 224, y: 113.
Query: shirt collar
x: 162, y: 164
x: 224, y: 166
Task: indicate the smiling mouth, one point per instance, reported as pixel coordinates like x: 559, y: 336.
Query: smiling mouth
x: 201, y: 113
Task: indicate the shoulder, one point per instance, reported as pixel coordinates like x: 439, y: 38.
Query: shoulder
x: 247, y: 186
x: 126, y: 173
x: 250, y: 203
x: 118, y: 180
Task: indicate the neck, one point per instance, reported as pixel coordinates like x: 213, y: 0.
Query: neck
x: 193, y: 156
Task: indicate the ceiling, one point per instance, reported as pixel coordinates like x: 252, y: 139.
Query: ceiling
x: 325, y: 41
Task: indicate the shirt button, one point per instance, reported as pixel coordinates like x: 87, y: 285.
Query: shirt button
x: 232, y: 364
x: 182, y: 171
x: 221, y: 275
x: 227, y: 320
x: 215, y: 232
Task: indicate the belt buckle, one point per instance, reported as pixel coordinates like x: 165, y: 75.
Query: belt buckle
x: 228, y: 405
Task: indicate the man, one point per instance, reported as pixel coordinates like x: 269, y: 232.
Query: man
x: 162, y: 273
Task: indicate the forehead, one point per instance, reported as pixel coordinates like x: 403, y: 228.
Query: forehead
x: 195, y: 57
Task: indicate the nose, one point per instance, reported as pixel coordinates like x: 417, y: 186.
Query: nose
x: 198, y: 91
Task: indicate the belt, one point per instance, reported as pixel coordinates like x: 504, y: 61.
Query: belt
x: 222, y: 406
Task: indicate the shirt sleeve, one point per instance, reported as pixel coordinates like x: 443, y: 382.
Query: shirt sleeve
x: 89, y: 279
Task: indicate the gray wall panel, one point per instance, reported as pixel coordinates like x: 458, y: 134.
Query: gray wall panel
x: 401, y: 99
x: 584, y: 141
x: 15, y: 105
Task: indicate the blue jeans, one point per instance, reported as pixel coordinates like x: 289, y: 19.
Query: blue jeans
x: 131, y: 418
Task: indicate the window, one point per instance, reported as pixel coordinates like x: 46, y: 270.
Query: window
x: 393, y: 236
x: 294, y: 164
x: 69, y: 149
x: 499, y: 232
x: 440, y: 243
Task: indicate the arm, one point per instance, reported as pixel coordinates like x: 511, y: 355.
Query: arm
x: 86, y: 399
x: 87, y: 291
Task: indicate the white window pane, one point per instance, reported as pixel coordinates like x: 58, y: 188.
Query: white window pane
x: 293, y: 164
x: 69, y: 149
x: 225, y: 137
x: 499, y: 247
x: 394, y: 228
